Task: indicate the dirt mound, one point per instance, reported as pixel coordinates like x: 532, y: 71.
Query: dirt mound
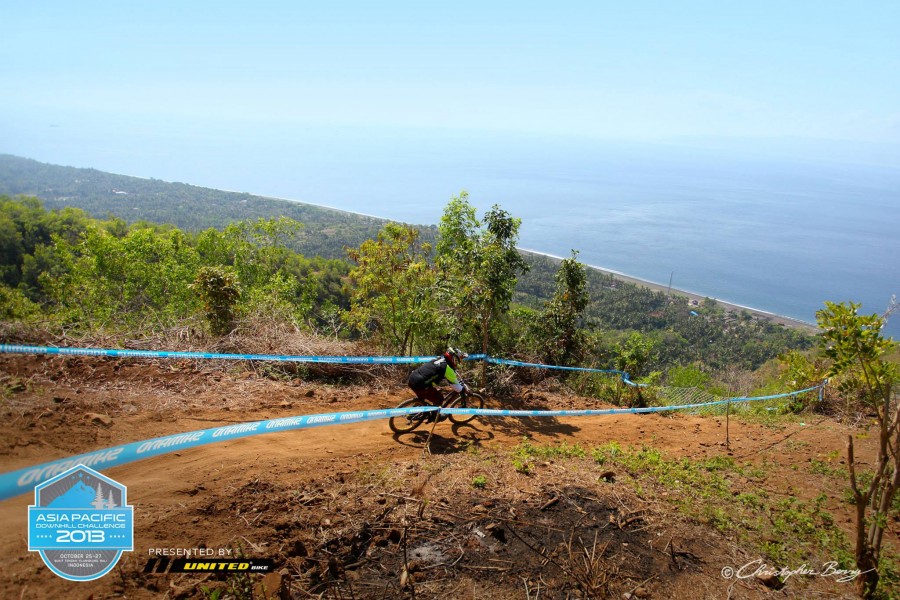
x: 352, y: 511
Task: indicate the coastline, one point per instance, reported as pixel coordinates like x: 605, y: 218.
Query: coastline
x: 624, y: 277
x: 690, y: 295
x: 340, y: 210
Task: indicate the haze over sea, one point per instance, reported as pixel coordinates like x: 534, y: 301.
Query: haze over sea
x: 779, y: 226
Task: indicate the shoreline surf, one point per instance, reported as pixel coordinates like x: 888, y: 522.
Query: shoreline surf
x: 691, y: 295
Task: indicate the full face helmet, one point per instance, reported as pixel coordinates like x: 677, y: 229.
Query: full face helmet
x: 454, y: 355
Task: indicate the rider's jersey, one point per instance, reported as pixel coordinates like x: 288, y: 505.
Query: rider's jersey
x: 431, y: 373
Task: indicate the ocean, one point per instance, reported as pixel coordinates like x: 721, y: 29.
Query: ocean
x: 780, y: 229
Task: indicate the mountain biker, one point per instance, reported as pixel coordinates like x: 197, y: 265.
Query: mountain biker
x: 423, y: 381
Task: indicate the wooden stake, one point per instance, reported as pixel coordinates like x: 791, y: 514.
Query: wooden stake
x: 427, y: 448
x: 727, y: 423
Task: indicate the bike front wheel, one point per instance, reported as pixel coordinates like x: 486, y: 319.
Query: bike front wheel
x: 470, y: 400
x: 406, y: 423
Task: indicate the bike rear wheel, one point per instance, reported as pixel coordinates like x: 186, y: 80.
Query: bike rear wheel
x: 470, y: 400
x: 406, y: 423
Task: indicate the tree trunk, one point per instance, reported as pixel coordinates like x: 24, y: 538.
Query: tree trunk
x: 867, y: 582
x: 865, y: 554
x: 484, y: 345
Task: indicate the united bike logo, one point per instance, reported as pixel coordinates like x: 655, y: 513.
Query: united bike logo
x: 80, y: 524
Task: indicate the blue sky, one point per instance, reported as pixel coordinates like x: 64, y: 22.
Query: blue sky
x: 613, y: 70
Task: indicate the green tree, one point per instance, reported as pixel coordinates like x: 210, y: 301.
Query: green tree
x: 10, y: 250
x: 122, y: 282
x: 857, y: 349
x: 480, y: 264
x: 94, y: 274
x: 259, y: 248
x: 634, y: 354
x: 219, y: 291
x: 276, y: 283
x: 280, y: 299
x: 26, y: 235
x: 687, y: 376
x: 395, y: 297
x: 14, y: 306
x: 799, y: 371
x: 559, y: 322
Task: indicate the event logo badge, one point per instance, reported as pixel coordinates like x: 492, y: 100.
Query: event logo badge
x: 80, y: 523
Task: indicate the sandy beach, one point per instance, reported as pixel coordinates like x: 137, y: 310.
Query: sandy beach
x: 691, y: 296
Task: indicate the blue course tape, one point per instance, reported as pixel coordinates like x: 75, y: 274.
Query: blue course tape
x: 515, y: 363
x: 490, y: 412
x: 484, y: 412
x: 24, y: 480
x: 115, y: 353
x: 15, y: 349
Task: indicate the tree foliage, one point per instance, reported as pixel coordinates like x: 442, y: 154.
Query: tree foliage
x: 560, y: 334
x: 219, y: 292
x: 857, y: 351
x: 123, y: 281
x: 395, y: 297
x: 479, y: 264
x: 94, y: 274
x: 634, y: 355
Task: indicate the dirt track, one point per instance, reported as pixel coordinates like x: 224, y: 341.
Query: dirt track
x: 240, y: 492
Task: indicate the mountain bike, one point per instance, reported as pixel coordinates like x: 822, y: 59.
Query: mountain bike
x: 464, y: 399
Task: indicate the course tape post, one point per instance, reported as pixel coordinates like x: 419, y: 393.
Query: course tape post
x: 22, y: 481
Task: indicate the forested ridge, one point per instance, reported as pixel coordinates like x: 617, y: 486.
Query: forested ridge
x: 326, y: 231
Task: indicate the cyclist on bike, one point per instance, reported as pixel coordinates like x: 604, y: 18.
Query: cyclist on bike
x: 423, y: 381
